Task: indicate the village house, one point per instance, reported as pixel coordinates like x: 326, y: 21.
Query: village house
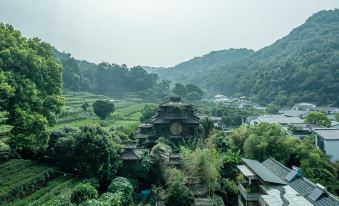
x: 327, y: 139
x: 304, y: 106
x: 270, y: 183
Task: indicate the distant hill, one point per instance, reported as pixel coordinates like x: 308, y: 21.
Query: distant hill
x: 189, y: 71
x: 302, y: 66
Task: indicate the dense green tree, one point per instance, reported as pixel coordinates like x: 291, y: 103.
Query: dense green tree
x: 207, y: 126
x: 30, y: 85
x: 83, y: 192
x: 204, y: 164
x: 103, y: 108
x: 179, y: 194
x: 193, y: 92
x: 337, y: 117
x: 159, y: 91
x: 179, y: 90
x: 148, y: 112
x: 84, y: 106
x: 121, y: 184
x: 318, y: 118
x: 91, y: 152
x: 272, y: 109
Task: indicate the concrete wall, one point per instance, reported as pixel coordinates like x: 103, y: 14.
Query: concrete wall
x: 332, y: 148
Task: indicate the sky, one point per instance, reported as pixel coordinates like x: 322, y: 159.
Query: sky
x: 156, y: 32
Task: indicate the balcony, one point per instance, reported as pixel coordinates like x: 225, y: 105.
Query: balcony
x: 250, y: 193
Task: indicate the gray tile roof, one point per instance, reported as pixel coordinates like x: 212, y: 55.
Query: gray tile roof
x: 264, y: 173
x: 302, y: 185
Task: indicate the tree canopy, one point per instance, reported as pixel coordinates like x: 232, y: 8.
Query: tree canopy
x: 30, y: 87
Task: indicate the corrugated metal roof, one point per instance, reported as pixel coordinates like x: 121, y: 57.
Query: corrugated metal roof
x: 264, y: 173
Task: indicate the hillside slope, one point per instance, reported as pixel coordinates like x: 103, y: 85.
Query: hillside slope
x: 189, y: 71
x: 302, y: 66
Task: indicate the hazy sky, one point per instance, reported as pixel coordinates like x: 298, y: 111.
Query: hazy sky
x: 156, y: 32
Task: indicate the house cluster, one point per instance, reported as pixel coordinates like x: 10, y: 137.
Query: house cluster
x: 327, y: 139
x: 240, y: 102
x: 176, y: 120
x: 269, y: 183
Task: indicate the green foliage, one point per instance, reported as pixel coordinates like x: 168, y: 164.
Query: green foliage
x: 190, y: 92
x: 272, y: 109
x: 83, y: 192
x: 173, y: 175
x: 318, y: 118
x: 301, y: 66
x: 90, y: 152
x: 204, y: 164
x: 123, y: 186
x: 337, y: 117
x: 6, y: 152
x: 103, y: 108
x: 112, y: 77
x: 207, y: 126
x: 148, y: 112
x: 112, y: 199
x: 30, y: 86
x: 264, y: 140
x: 179, y: 194
x: 232, y: 116
x: 158, y: 92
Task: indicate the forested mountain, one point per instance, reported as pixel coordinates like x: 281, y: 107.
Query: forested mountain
x: 187, y: 72
x: 302, y: 66
x: 81, y: 75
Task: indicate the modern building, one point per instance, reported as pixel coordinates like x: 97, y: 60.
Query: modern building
x: 327, y: 139
x: 270, y: 183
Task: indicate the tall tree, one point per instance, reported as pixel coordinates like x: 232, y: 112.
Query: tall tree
x: 30, y: 85
x: 318, y: 118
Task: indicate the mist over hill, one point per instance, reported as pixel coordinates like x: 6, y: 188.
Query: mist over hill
x: 302, y: 66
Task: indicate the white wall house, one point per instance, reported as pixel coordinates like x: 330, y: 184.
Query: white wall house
x: 327, y: 139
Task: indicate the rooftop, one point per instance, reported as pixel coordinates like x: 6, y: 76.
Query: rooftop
x: 301, y: 185
x: 292, y: 112
x: 279, y: 119
x: 327, y: 133
x: 176, y: 102
x: 264, y: 173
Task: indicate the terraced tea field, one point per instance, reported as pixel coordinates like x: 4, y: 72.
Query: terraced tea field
x: 127, y: 112
x: 24, y: 182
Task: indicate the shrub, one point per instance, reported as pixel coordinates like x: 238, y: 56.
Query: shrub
x: 103, y: 108
x: 121, y: 184
x: 179, y: 194
x: 83, y: 192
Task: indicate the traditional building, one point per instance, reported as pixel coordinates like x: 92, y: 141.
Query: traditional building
x: 270, y: 184
x: 175, y: 120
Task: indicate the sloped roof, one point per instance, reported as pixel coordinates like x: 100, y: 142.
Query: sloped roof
x: 292, y: 112
x: 279, y: 119
x: 264, y: 173
x: 175, y: 102
x: 301, y: 184
x: 327, y: 133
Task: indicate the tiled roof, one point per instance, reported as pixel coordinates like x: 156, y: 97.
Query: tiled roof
x: 279, y: 119
x: 302, y: 185
x: 292, y: 112
x: 264, y: 173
